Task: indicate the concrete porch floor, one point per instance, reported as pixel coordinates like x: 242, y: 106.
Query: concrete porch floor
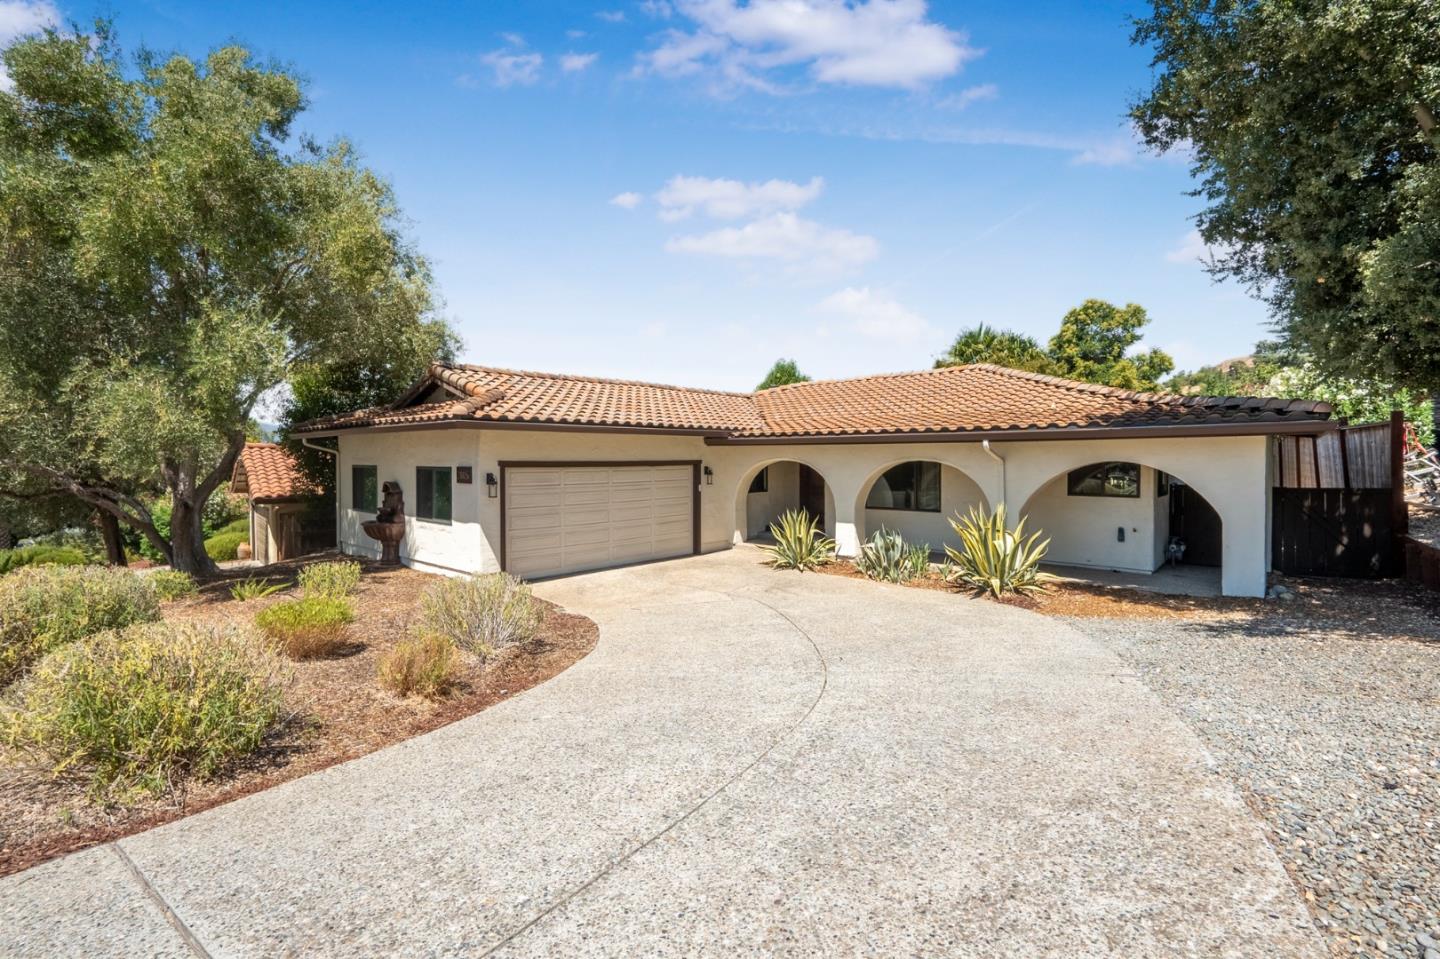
x: 1179, y: 580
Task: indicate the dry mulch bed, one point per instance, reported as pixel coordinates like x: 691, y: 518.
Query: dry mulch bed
x: 340, y: 712
x: 1380, y: 609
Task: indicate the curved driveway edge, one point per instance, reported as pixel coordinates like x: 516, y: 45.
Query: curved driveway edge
x: 749, y: 763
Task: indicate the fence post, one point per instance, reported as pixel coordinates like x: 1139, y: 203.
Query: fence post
x: 1399, y: 511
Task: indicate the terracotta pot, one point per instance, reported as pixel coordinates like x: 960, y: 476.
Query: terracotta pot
x: 242, y: 551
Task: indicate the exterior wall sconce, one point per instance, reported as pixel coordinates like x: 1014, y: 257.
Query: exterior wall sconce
x: 709, y: 476
x: 492, y: 485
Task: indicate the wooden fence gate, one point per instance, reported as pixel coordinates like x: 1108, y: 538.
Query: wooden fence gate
x: 1338, y: 506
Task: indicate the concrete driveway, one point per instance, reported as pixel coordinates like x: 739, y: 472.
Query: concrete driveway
x: 751, y: 762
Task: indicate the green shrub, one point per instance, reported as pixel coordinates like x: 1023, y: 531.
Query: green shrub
x: 171, y: 584
x: 12, y: 559
x: 423, y: 665
x: 255, y: 589
x: 886, y: 556
x: 44, y: 607
x: 241, y: 525
x: 307, y: 628
x: 330, y: 579
x: 799, y: 543
x: 481, y: 614
x: 135, y: 710
x: 223, y: 546
x: 996, y: 559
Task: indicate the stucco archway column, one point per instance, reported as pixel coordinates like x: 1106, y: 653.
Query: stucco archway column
x: 845, y: 491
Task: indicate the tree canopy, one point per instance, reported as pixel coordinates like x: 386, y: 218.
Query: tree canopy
x: 783, y: 373
x: 1312, y: 127
x: 1093, y: 345
x: 169, y: 253
x: 986, y: 344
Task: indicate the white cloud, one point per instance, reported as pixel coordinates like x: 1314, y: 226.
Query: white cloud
x: 1192, y: 248
x: 884, y: 43
x: 659, y: 9
x: 627, y: 200
x: 874, y: 314
x: 655, y: 330
x: 512, y: 68
x: 575, y: 34
x: 731, y: 199
x: 611, y: 16
x: 19, y: 18
x: 801, y: 244
x: 969, y: 95
x: 576, y: 62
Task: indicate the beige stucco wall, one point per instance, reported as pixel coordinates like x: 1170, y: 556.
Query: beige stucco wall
x: 958, y: 493
x: 1230, y: 472
x: 1084, y: 531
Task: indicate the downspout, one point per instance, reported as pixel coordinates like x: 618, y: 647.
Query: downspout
x: 310, y: 444
x: 985, y: 445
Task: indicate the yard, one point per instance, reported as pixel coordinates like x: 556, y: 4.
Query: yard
x: 334, y: 709
x: 1323, y: 709
x: 1325, y: 712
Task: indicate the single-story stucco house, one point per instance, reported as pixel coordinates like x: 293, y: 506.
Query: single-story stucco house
x: 543, y: 474
x: 269, y: 478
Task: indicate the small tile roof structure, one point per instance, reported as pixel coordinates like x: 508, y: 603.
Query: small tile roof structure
x: 266, y: 473
x: 978, y: 398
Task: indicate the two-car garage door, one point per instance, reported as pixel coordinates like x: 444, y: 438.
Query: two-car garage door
x: 564, y: 519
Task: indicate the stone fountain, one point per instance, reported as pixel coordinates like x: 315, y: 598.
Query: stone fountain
x: 388, y: 526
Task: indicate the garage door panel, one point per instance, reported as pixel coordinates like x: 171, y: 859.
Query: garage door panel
x: 561, y: 520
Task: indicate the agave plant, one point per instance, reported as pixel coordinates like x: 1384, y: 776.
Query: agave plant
x: 994, y: 558
x: 886, y: 556
x: 799, y: 543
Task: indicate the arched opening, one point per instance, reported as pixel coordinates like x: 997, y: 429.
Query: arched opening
x: 770, y: 489
x: 917, y: 499
x: 1140, y: 523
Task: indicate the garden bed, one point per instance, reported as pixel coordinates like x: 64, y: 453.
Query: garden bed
x: 1380, y: 608
x: 337, y: 711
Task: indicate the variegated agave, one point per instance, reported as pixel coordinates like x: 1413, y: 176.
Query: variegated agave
x: 996, y: 559
x: 799, y: 543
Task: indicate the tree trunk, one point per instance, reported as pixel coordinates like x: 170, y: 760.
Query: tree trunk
x: 110, y: 533
x: 187, y: 538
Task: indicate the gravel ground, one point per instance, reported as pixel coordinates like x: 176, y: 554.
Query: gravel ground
x: 1333, y: 735
x: 1425, y: 524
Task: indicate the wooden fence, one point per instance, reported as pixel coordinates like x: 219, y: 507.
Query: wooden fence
x: 1352, y: 457
x: 1338, y: 507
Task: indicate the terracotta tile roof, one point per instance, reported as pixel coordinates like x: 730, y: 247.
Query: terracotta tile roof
x: 266, y: 471
x: 982, y: 397
x: 518, y: 396
x: 978, y: 398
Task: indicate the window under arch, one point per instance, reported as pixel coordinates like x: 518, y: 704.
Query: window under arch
x: 913, y: 486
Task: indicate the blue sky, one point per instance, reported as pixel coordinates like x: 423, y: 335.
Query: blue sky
x: 685, y: 191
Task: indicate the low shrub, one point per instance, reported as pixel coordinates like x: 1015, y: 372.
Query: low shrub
x: 241, y: 525
x: 308, y: 628
x: 994, y: 558
x: 886, y: 556
x: 223, y: 546
x: 12, y: 559
x: 255, y: 589
x: 171, y: 584
x: 799, y: 543
x: 45, y: 607
x: 422, y: 666
x: 330, y: 579
x: 135, y: 710
x: 482, y: 614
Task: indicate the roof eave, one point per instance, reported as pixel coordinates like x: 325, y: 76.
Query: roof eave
x: 522, y: 425
x: 1303, y: 427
